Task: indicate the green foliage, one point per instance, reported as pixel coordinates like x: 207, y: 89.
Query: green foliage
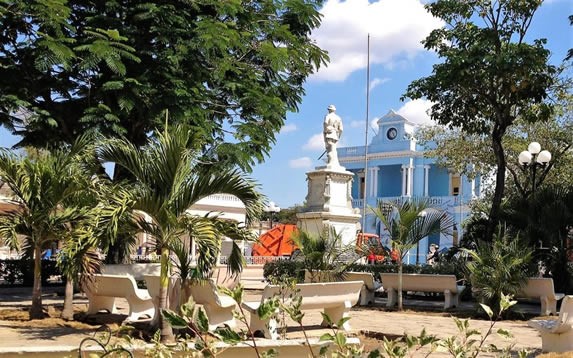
x: 284, y: 268
x: 545, y: 220
x: 498, y: 267
x: 167, y: 181
x: 489, y: 77
x: 21, y: 272
x: 409, y: 222
x: 229, y: 69
x: 325, y: 252
x: 46, y: 188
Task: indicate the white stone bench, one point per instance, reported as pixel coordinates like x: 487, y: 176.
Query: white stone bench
x: 557, y: 335
x: 173, y: 291
x: 218, y: 307
x: 138, y: 270
x: 102, y: 290
x: 335, y: 298
x: 541, y: 288
x: 445, y: 284
x: 369, y: 287
x: 224, y: 278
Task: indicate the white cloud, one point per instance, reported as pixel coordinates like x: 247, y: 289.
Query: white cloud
x: 316, y: 142
x: 396, y: 28
x: 304, y: 162
x: 417, y: 111
x: 288, y: 128
x: 374, y: 124
x: 377, y: 82
x: 357, y: 124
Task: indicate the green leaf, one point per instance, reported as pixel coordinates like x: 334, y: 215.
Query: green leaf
x: 326, y: 337
x: 229, y: 336
x: 487, y: 310
x: 202, y: 321
x: 174, y: 319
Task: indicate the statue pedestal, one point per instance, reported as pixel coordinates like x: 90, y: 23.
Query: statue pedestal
x: 329, y: 204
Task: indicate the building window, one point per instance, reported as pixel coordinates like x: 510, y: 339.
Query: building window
x: 361, y: 189
x: 455, y: 184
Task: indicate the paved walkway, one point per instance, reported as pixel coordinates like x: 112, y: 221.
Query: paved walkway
x: 372, y: 321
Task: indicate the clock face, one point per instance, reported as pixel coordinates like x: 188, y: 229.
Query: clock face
x: 391, y: 134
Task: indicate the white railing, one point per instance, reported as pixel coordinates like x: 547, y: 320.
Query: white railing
x: 149, y: 258
x: 256, y: 260
x: 358, y: 203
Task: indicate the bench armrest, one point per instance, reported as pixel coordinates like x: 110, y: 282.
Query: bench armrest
x: 251, y: 306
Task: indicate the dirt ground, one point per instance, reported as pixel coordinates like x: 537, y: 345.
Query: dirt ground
x: 371, y: 324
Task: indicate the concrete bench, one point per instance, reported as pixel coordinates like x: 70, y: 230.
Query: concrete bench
x: 173, y: 291
x: 446, y: 284
x: 335, y: 298
x: 542, y: 289
x: 557, y: 335
x: 222, y: 277
x: 138, y: 271
x: 369, y: 287
x: 218, y: 307
x: 102, y: 291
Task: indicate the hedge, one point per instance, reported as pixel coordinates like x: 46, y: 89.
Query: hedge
x: 295, y: 269
x: 21, y: 271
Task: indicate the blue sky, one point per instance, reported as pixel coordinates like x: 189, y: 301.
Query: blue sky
x: 396, y: 57
x: 396, y: 28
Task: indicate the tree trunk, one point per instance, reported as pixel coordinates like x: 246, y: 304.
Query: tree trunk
x: 36, y: 310
x: 166, y: 330
x: 497, y: 146
x: 400, y: 306
x: 68, y: 312
x: 185, y: 292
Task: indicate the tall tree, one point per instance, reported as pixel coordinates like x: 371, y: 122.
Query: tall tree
x: 408, y: 223
x: 229, y: 69
x: 168, y: 181
x: 490, y: 75
x: 42, y: 187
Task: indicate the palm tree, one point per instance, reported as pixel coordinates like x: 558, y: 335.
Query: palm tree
x: 408, y: 223
x: 86, y: 239
x: 167, y: 180
x: 498, y: 267
x: 42, y: 184
x: 324, y: 253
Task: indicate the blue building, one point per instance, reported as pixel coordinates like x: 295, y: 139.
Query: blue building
x: 397, y: 170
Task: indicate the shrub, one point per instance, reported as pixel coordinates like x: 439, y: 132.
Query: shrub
x: 21, y: 271
x: 498, y: 267
x: 284, y: 268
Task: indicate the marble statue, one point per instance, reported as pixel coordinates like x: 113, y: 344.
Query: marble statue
x: 332, y: 132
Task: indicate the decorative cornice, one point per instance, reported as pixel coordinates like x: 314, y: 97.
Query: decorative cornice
x: 385, y: 155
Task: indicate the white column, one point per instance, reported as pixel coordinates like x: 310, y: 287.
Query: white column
x: 404, y: 168
x: 473, y: 186
x: 371, y: 182
x: 411, y: 178
x: 449, y: 183
x: 426, y: 178
x: 374, y: 187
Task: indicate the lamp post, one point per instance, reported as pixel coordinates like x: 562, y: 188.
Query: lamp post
x: 533, y: 158
x: 271, y: 209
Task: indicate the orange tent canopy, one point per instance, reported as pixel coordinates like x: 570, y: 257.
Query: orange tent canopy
x: 276, y: 242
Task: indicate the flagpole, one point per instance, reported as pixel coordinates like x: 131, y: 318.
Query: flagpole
x: 366, y: 138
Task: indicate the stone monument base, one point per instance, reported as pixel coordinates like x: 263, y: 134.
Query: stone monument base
x: 329, y: 204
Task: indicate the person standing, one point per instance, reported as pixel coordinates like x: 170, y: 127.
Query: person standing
x: 332, y: 132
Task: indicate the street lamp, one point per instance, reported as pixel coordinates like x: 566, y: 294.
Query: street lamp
x: 534, y: 157
x: 271, y: 209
